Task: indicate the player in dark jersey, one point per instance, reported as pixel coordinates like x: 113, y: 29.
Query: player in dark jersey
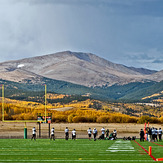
x: 156, y: 133
x: 160, y: 134
x: 153, y: 134
x: 141, y: 135
x: 107, y: 133
x: 94, y: 133
x: 149, y: 130
x: 114, y: 134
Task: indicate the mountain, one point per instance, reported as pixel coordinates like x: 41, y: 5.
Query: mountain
x: 143, y: 70
x: 158, y: 76
x: 79, y: 68
x: 78, y: 74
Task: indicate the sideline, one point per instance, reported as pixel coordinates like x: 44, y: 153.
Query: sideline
x: 76, y: 161
x: 145, y: 150
x: 157, y: 144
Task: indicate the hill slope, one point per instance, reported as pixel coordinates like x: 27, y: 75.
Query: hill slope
x: 21, y: 91
x: 78, y: 68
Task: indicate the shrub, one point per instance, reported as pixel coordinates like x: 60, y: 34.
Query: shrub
x: 161, y: 120
x: 103, y: 119
x: 60, y: 118
x: 78, y: 119
x: 28, y: 117
x: 70, y: 118
x: 144, y: 119
x: 154, y: 120
x: 115, y: 119
x: 132, y: 120
x: 91, y: 118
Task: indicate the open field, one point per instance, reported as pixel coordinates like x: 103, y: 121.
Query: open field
x: 16, y: 130
x: 80, y: 150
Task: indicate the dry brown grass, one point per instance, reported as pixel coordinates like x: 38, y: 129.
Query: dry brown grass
x: 16, y: 130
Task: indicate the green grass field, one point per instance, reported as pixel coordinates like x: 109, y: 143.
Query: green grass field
x: 81, y: 150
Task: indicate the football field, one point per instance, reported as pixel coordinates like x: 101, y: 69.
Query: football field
x: 80, y: 150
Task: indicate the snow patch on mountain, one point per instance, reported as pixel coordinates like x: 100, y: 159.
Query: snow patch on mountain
x: 20, y: 65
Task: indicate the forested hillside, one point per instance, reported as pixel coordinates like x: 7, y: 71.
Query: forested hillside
x: 130, y: 92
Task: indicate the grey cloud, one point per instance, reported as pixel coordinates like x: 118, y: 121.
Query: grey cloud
x: 132, y: 7
x: 158, y: 61
x: 120, y: 7
x: 108, y: 28
x: 151, y: 59
x: 139, y: 56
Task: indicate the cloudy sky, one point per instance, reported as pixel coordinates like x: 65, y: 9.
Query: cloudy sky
x: 129, y: 32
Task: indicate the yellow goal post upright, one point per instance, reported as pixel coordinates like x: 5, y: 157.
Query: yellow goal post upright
x: 25, y: 121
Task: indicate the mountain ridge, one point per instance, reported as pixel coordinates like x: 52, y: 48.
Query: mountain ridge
x: 75, y: 67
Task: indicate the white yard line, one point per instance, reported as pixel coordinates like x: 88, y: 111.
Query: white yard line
x: 121, y: 146
x: 121, y: 150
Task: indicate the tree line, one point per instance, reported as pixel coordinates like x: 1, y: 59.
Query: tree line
x: 79, y: 115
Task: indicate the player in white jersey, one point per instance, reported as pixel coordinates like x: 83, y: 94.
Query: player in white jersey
x: 160, y: 134
x: 94, y: 133
x: 103, y: 133
x: 89, y: 133
x: 153, y: 134
x: 52, y: 134
x: 33, y: 133
x: 74, y: 134
x: 66, y: 133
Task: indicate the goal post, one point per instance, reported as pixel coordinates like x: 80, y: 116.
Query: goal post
x: 3, y: 102
x: 3, y: 99
x: 25, y: 121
